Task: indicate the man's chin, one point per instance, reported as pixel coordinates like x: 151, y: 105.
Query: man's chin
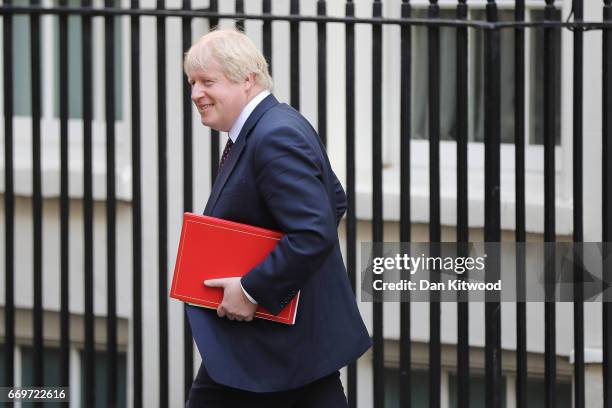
x: 209, y: 125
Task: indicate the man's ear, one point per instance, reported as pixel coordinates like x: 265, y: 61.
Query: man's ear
x: 249, y: 81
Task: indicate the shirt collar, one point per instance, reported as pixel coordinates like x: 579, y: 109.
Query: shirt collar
x: 244, y: 115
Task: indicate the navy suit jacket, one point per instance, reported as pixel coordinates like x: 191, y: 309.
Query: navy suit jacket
x: 278, y: 176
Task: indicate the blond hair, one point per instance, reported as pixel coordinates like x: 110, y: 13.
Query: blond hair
x: 234, y: 51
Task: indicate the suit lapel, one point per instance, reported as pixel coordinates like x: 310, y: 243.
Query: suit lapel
x: 268, y: 102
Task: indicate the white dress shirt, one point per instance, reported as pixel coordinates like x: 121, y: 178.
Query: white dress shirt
x: 244, y: 115
x: 233, y: 135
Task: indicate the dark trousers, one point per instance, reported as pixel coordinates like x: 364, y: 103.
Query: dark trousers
x: 326, y: 392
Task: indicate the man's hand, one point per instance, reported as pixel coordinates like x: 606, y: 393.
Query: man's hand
x: 235, y: 305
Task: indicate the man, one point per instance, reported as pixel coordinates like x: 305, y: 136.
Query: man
x: 274, y: 173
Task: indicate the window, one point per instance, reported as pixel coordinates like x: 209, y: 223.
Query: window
x: 49, y: 40
x: 448, y: 83
x: 536, y: 393
x: 101, y: 366
x: 50, y: 104
x: 536, y: 72
x: 476, y: 79
x: 51, y: 357
x: 420, y: 79
x: 21, y: 63
x: 477, y: 391
x: 51, y: 374
x: 75, y: 69
x: 419, y: 154
x: 420, y: 388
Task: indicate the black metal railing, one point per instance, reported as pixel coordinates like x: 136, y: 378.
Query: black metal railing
x: 491, y: 27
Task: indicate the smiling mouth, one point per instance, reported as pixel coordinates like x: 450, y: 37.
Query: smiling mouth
x: 205, y: 107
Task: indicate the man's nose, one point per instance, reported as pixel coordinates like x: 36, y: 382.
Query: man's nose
x: 196, y: 92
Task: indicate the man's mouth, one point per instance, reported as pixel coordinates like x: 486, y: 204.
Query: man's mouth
x: 205, y: 107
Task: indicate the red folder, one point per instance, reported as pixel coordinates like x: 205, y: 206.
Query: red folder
x: 215, y: 248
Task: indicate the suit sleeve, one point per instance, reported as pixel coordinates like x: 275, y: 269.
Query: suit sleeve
x: 289, y: 178
x: 340, y: 200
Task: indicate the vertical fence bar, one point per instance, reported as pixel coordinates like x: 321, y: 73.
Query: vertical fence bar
x: 111, y: 227
x: 322, y: 73
x: 550, y: 370
x: 519, y: 143
x: 64, y: 202
x: 351, y: 219
x: 492, y: 230
x: 86, y: 53
x: 463, y: 343
x: 579, y: 395
x: 607, y: 202
x: 294, y: 57
x: 136, y: 206
x: 38, y: 363
x: 266, y: 9
x: 405, y: 392
x: 377, y: 199
x: 162, y: 207
x: 462, y: 126
x: 9, y: 202
x: 239, y: 7
x: 187, y: 189
x: 214, y: 134
x: 433, y: 49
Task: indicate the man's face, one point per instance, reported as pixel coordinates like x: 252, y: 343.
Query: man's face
x: 218, y: 99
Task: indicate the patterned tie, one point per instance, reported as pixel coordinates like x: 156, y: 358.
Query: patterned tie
x: 226, y: 152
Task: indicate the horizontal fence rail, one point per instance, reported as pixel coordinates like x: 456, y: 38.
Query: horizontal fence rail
x: 208, y: 13
x: 473, y: 46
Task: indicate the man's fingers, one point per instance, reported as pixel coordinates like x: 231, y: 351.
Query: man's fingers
x: 222, y: 312
x: 234, y: 306
x: 216, y: 283
x: 234, y: 316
